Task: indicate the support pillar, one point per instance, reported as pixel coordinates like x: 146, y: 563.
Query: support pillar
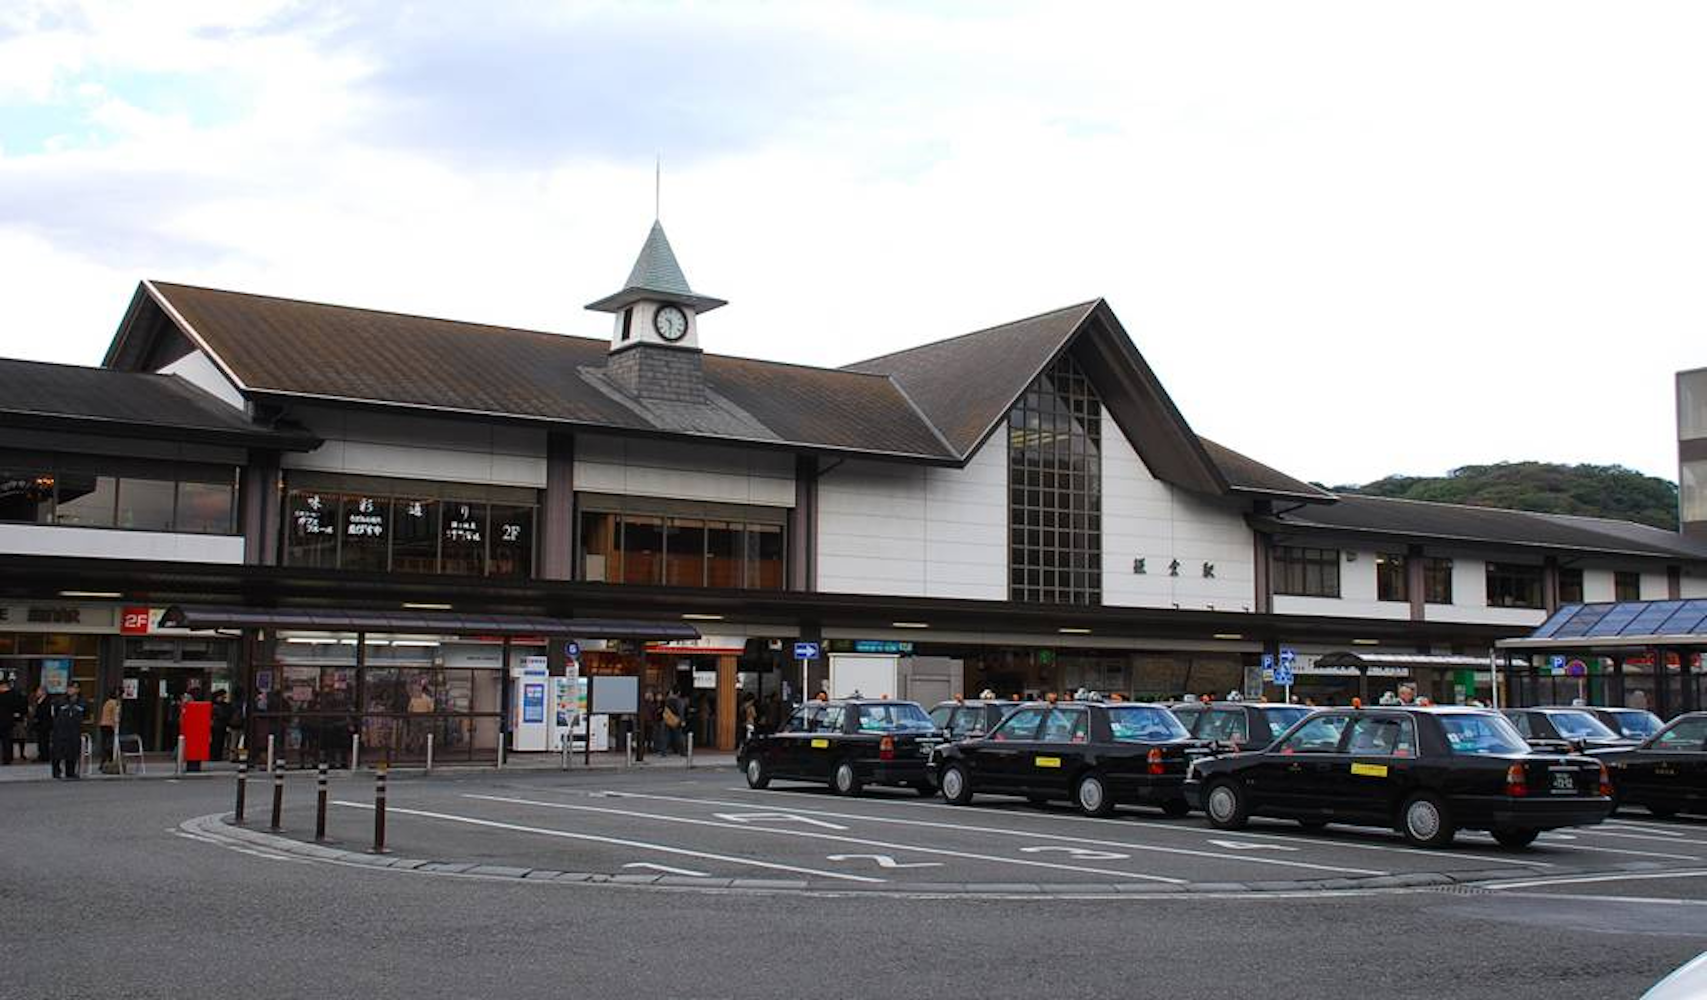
x: 1662, y: 685
x: 728, y: 703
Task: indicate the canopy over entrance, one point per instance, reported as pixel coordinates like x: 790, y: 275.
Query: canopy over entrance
x: 1648, y: 642
x: 420, y: 622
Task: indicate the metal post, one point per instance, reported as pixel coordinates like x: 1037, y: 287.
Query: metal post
x: 271, y: 737
x: 379, y: 810
x: 429, y: 753
x: 690, y: 746
x: 320, y: 803
x: 566, y: 745
x: 500, y: 749
x: 242, y: 784
x: 1494, y: 676
x: 628, y: 751
x: 178, y: 757
x: 355, y: 750
x: 278, y: 797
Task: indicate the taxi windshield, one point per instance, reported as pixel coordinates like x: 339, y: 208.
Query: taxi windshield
x: 1581, y: 725
x: 1638, y: 724
x: 1146, y: 725
x: 902, y: 716
x: 1481, y: 733
x: 1281, y: 717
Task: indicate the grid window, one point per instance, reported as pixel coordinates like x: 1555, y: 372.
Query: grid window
x: 1306, y: 572
x: 404, y: 526
x: 1055, y: 490
x: 1626, y: 586
x: 1514, y: 586
x: 681, y: 551
x: 1570, y: 585
x: 1437, y: 580
x: 1392, y: 580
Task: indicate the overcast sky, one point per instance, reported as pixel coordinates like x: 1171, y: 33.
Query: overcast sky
x: 1353, y: 239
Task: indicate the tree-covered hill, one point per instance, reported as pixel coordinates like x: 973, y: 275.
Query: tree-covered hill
x: 1593, y: 490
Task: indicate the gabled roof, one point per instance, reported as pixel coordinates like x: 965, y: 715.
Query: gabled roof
x: 285, y: 348
x: 39, y: 395
x: 1426, y: 520
x: 656, y: 275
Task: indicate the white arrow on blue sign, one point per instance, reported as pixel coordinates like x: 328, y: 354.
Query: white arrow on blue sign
x: 1287, y: 658
x: 806, y: 651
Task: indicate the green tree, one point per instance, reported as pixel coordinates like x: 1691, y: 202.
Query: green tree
x: 1545, y: 487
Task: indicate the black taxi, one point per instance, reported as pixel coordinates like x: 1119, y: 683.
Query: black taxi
x: 848, y: 743
x: 1556, y: 728
x: 965, y: 717
x: 1426, y: 772
x: 1094, y: 754
x: 1238, y: 724
x: 1667, y: 773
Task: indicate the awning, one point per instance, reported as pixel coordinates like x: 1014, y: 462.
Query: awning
x: 420, y: 623
x: 1670, y: 623
x: 1437, y: 661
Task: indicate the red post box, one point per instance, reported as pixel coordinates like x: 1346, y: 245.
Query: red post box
x: 195, y: 724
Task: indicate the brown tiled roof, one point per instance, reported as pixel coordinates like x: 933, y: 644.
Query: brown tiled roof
x: 1251, y: 476
x: 294, y: 348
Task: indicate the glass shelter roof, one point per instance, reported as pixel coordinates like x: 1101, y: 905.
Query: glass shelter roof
x: 1625, y: 623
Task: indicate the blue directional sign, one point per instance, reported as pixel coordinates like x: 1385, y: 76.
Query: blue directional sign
x: 1267, y: 666
x: 1287, y: 657
x: 1283, y: 675
x: 572, y: 649
x: 806, y: 651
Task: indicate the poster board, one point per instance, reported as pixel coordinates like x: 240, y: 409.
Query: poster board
x: 614, y: 695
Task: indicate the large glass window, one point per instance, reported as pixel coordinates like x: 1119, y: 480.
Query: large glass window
x: 1306, y: 572
x: 88, y: 491
x: 85, y: 500
x: 1692, y: 491
x: 1437, y: 580
x: 146, y: 504
x: 706, y: 545
x: 1055, y: 490
x: 1692, y: 404
x: 379, y: 525
x: 26, y: 493
x: 1626, y: 586
x: 1570, y: 585
x: 207, y: 508
x: 1514, y: 586
x: 1392, y: 580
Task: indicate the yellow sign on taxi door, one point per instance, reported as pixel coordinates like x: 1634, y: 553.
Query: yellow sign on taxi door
x: 820, y: 744
x: 1048, y: 762
x: 1370, y: 770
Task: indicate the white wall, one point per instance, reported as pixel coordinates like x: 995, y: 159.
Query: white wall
x: 1655, y: 586
x: 1598, y: 585
x: 198, y: 370
x: 1358, y: 594
x: 904, y: 530
x: 1145, y: 517
x: 1470, y: 598
x: 98, y: 543
x: 683, y: 471
x: 1694, y: 582
x: 372, y: 443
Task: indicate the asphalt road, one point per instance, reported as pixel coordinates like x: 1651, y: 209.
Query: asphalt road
x: 107, y: 894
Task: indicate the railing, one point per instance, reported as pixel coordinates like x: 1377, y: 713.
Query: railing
x: 303, y: 739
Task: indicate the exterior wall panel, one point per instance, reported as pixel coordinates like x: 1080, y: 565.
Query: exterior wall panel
x: 718, y: 474
x: 97, y: 543
x: 409, y: 447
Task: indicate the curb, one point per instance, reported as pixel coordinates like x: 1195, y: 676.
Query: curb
x: 218, y: 827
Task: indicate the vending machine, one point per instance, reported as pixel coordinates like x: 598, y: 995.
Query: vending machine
x: 530, y: 725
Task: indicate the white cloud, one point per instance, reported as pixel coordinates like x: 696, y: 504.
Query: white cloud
x: 1352, y: 238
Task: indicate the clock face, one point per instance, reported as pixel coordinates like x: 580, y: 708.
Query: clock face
x: 671, y: 323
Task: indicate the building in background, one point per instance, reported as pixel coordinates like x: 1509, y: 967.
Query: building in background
x: 1692, y: 452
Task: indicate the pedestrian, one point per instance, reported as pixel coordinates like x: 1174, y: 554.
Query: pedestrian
x: 41, y: 722
x: 221, y: 725
x: 110, y: 713
x: 12, y: 708
x: 69, y: 711
x: 749, y: 718
x: 1407, y: 694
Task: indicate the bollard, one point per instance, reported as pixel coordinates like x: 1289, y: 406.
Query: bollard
x: 355, y: 750
x: 500, y: 749
x: 242, y: 784
x: 178, y: 757
x: 429, y: 753
x: 690, y: 748
x: 379, y: 810
x: 320, y: 804
x: 270, y: 758
x: 567, y: 746
x: 628, y: 751
x: 278, y: 797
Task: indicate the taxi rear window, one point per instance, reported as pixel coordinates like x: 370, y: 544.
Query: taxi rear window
x: 1145, y: 725
x: 1580, y: 725
x: 899, y: 716
x: 1637, y: 724
x: 1481, y: 734
x: 1281, y: 718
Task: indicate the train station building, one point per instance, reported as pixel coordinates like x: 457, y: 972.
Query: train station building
x: 334, y: 512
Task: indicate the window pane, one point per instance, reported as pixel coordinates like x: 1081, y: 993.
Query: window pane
x: 414, y: 536
x: 684, y: 547
x: 146, y: 504
x: 311, y: 538
x: 26, y: 495
x: 86, y: 500
x: 1570, y: 586
x: 463, y: 538
x: 1626, y: 586
x: 724, y: 542
x: 367, y: 530
x: 600, y: 557
x: 764, y: 557
x: 642, y: 549
x: 1392, y: 578
x: 206, y: 508
x: 512, y: 541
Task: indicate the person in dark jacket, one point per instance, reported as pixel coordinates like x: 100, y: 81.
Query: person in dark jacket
x: 221, y: 724
x: 69, y: 711
x: 12, y: 708
x: 41, y: 722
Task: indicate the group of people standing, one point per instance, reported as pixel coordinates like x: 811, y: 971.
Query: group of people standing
x: 54, y: 722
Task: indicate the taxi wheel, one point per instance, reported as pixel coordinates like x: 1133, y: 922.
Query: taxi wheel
x: 1092, y: 796
x: 956, y: 786
x: 1227, y: 806
x: 1426, y: 822
x: 845, y: 780
x: 1515, y: 839
x: 1176, y: 808
x: 757, y: 776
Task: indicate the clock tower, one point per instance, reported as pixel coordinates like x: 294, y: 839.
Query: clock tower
x: 654, y: 347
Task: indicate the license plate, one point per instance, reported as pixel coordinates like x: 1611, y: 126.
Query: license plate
x: 1564, y: 781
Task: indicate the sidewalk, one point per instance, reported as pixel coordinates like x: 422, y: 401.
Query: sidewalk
x: 160, y: 766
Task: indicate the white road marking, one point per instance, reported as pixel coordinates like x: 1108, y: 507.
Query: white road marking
x: 914, y: 848
x: 883, y: 860
x: 1030, y: 834
x: 666, y: 869
x: 592, y: 838
x: 1236, y: 845
x: 1082, y: 853
x: 234, y: 846
x: 1581, y: 898
x: 1583, y: 879
x: 1647, y: 827
x: 1619, y: 850
x: 1674, y: 838
x: 771, y: 818
x: 1247, y: 834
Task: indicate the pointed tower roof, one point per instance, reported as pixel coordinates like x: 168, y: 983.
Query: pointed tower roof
x: 656, y: 277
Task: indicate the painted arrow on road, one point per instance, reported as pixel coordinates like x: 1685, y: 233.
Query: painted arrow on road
x: 776, y: 818
x: 666, y: 869
x: 883, y: 860
x: 1240, y: 845
x: 1080, y: 853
